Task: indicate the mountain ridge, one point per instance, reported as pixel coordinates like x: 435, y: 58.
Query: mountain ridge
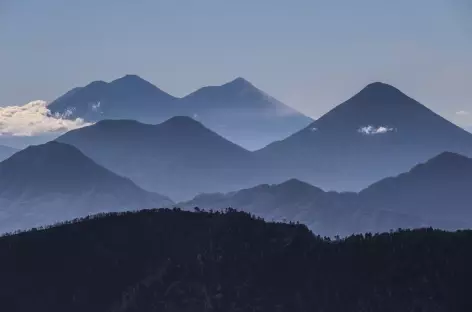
x: 179, y: 157
x: 439, y: 188
x: 435, y: 193
x: 221, y: 108
x: 52, y: 182
x: 376, y: 133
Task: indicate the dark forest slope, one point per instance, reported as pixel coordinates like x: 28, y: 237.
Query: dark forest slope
x: 181, y: 261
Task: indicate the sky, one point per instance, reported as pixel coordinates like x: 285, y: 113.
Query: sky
x: 311, y: 55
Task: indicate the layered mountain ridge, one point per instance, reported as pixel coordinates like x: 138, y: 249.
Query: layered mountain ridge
x: 436, y: 193
x: 44, y: 184
x: 379, y: 132
x: 179, y: 157
x: 236, y: 110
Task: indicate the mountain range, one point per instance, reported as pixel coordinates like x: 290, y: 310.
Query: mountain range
x: 44, y: 184
x: 236, y: 110
x: 377, y: 133
x: 179, y: 157
x: 436, y: 193
x: 439, y: 189
x: 361, y: 146
x: 380, y: 132
x: 325, y: 213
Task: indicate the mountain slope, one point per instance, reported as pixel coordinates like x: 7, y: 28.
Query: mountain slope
x: 441, y: 189
x: 437, y: 193
x: 242, y: 113
x: 379, y: 132
x: 237, y: 110
x: 180, y: 261
x: 52, y: 182
x: 179, y: 157
x: 325, y: 213
x: 6, y: 152
x: 129, y: 97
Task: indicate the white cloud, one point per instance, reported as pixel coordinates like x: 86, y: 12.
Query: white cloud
x: 371, y: 130
x: 463, y: 113
x: 34, y: 118
x: 96, y: 106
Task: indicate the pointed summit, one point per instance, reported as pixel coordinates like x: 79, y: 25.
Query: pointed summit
x: 378, y: 132
x: 131, y: 79
x: 56, y: 167
x: 381, y: 92
x: 449, y: 161
x: 239, y: 82
x: 54, y: 182
x: 450, y: 156
x: 226, y: 92
x: 93, y: 84
x: 128, y: 97
x: 133, y: 84
x: 378, y: 85
x: 378, y: 105
x: 241, y: 112
x: 179, y: 157
x: 180, y: 123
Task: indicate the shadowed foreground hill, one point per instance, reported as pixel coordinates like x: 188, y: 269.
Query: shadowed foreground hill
x: 171, y: 260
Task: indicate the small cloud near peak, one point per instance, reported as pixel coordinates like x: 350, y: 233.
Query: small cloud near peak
x: 371, y: 130
x: 463, y: 113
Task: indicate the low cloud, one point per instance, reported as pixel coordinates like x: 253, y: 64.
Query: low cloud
x: 371, y: 130
x: 33, y: 119
x: 96, y: 107
x: 463, y: 113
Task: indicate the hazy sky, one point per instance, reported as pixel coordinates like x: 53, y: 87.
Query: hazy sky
x: 310, y: 54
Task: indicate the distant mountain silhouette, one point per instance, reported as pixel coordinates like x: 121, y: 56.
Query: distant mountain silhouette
x: 52, y: 182
x: 325, y: 213
x: 377, y: 133
x: 129, y: 97
x: 237, y: 110
x: 437, y: 193
x: 6, y: 151
x: 440, y: 189
x: 242, y: 113
x: 179, y: 157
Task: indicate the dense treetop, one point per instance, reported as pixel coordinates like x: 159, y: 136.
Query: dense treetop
x: 171, y: 260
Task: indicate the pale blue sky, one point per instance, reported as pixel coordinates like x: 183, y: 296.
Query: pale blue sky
x: 310, y: 54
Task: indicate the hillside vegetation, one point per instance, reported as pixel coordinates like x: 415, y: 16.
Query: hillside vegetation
x: 171, y: 260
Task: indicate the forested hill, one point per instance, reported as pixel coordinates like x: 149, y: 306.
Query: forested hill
x: 171, y: 260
